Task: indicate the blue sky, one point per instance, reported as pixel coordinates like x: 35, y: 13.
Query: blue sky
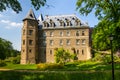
x: 11, y: 23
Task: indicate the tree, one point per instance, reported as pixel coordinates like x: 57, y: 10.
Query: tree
x: 62, y: 56
x: 15, y: 4
x: 108, y: 12
x: 107, y: 9
x: 6, y: 49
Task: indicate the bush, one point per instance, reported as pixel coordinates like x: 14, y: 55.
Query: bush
x: 97, y: 57
x: 14, y: 60
x: 49, y: 66
x: 106, y: 58
x: 2, y: 63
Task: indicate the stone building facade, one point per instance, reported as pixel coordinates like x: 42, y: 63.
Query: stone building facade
x: 41, y: 37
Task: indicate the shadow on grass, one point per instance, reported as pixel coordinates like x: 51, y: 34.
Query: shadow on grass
x: 60, y: 75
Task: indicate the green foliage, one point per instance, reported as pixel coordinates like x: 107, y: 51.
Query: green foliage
x: 38, y: 3
x: 100, y: 36
x: 2, y: 63
x: 14, y: 60
x: 6, y: 49
x: 108, y: 12
x: 106, y: 58
x: 49, y: 66
x: 101, y: 33
x: 108, y: 9
x: 62, y: 56
x: 19, y: 66
x: 16, y: 6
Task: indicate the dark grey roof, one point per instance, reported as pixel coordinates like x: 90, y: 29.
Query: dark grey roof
x: 56, y: 19
x: 30, y: 15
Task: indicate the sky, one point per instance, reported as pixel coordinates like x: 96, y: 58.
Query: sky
x: 11, y: 22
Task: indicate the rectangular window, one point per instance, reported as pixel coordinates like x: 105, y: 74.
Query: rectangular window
x: 30, y: 32
x: 83, y: 33
x: 77, y: 33
x: 83, y: 41
x: 51, y: 34
x: 61, y: 33
x: 23, y: 32
x: 77, y: 41
x: 68, y: 33
x: 23, y: 50
x: 30, y: 51
x: 23, y: 42
x: 51, y: 42
x: 61, y: 42
x: 68, y: 42
x: 30, y: 42
x: 82, y: 52
x: 77, y: 51
x: 51, y: 52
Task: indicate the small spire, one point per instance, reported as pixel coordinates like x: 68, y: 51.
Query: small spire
x: 40, y: 18
x: 30, y: 15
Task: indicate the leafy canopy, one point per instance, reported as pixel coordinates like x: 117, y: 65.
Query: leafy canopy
x: 107, y: 11
x: 15, y: 4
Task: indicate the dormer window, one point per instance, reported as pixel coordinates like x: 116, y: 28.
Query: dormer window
x: 62, y: 23
x: 77, y: 21
x: 67, y: 23
x: 52, y: 24
x: 31, y: 15
x: 46, y: 24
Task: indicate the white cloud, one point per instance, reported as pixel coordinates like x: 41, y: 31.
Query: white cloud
x: 5, y: 21
x: 9, y: 24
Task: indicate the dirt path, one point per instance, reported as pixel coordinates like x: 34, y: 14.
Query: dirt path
x: 2, y: 69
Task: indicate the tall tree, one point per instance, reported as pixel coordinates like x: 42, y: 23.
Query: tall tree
x: 6, y: 49
x: 108, y: 12
x: 107, y: 9
x: 15, y: 4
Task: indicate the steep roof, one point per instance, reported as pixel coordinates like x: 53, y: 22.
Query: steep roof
x: 30, y: 15
x: 40, y: 18
x: 56, y: 19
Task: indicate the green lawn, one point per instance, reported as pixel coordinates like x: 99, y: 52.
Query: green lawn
x: 72, y: 66
x: 71, y: 71
x: 19, y: 66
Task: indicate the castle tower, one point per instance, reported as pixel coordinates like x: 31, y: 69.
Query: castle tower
x: 29, y: 46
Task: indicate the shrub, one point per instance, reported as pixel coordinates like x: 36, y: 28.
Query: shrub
x: 106, y: 58
x: 97, y: 57
x: 2, y: 63
x: 14, y: 60
x: 49, y: 66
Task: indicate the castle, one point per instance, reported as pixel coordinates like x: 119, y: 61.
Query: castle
x: 40, y: 37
